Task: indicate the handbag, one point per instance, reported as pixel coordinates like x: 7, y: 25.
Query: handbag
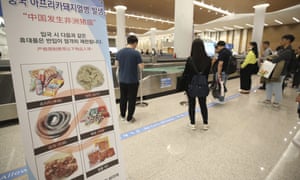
x: 180, y: 86
x: 255, y: 68
x: 275, y: 76
x: 266, y: 69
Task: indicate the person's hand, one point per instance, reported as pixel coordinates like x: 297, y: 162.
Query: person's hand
x: 298, y: 98
x: 220, y: 78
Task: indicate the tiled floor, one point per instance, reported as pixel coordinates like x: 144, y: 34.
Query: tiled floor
x: 246, y: 140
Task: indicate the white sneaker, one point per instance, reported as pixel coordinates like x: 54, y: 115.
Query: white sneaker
x: 192, y: 126
x: 267, y: 101
x: 205, y: 127
x: 276, y: 105
x: 122, y: 118
x: 220, y: 102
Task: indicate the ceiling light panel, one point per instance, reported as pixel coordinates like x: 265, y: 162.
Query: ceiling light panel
x: 277, y: 21
x: 239, y: 27
x: 219, y: 29
x: 296, y: 19
x: 212, y: 8
x: 249, y: 25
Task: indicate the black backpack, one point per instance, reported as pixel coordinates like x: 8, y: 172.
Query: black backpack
x: 199, y: 85
x: 232, y: 64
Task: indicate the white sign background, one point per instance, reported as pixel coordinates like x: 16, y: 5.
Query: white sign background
x: 85, y: 21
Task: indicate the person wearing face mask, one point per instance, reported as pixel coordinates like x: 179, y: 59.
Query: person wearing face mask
x: 248, y: 68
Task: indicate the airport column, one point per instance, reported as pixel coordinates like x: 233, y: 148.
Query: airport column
x: 184, y: 16
x: 259, y: 22
x: 121, y: 37
x: 152, y: 38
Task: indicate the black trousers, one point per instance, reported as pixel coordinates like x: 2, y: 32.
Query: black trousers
x: 128, y: 93
x: 203, y: 107
x: 245, y: 77
x: 296, y: 79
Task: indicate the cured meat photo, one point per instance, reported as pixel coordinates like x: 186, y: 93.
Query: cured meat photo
x: 60, y: 166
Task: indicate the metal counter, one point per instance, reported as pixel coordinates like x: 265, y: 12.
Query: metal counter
x: 162, y: 77
x: 8, y: 108
x: 156, y: 78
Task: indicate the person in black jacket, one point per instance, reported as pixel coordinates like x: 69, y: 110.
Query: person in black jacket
x: 285, y: 55
x: 200, y: 59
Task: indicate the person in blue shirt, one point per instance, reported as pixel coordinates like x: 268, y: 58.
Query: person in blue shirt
x: 129, y: 64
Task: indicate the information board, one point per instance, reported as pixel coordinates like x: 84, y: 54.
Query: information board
x: 64, y: 91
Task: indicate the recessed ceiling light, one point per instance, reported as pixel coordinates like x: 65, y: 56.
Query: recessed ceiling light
x: 236, y: 26
x: 219, y: 29
x: 211, y: 7
x: 296, y: 19
x: 277, y: 21
x: 249, y: 25
x: 266, y: 24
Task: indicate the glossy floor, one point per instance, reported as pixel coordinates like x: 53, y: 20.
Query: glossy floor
x: 246, y: 140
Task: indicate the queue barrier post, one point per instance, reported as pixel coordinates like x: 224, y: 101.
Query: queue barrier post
x: 141, y: 102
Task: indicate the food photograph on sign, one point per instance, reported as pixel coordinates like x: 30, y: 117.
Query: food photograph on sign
x: 89, y: 76
x: 44, y: 81
x: 94, y: 114
x: 101, y: 151
x: 53, y: 124
x: 60, y: 165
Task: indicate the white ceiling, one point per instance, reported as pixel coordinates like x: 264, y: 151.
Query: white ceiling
x: 284, y: 15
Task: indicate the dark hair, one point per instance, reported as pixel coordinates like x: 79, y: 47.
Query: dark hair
x: 254, y: 48
x: 289, y: 37
x: 221, y: 43
x: 198, y: 49
x: 132, y: 39
x: 278, y: 48
x: 198, y: 52
x: 267, y: 43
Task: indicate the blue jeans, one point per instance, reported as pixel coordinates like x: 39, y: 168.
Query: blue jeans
x: 223, y: 85
x: 276, y: 88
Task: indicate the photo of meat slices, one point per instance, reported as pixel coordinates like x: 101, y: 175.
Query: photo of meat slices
x: 60, y: 166
x: 101, y: 151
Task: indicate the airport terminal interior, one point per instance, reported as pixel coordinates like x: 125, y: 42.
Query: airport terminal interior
x: 247, y: 138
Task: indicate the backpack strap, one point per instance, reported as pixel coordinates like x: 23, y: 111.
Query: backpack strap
x: 195, y: 67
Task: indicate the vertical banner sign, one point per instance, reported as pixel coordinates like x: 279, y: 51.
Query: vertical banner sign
x: 64, y: 91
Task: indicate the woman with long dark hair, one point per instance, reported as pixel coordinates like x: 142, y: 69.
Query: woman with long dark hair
x: 248, y: 67
x: 201, y: 62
